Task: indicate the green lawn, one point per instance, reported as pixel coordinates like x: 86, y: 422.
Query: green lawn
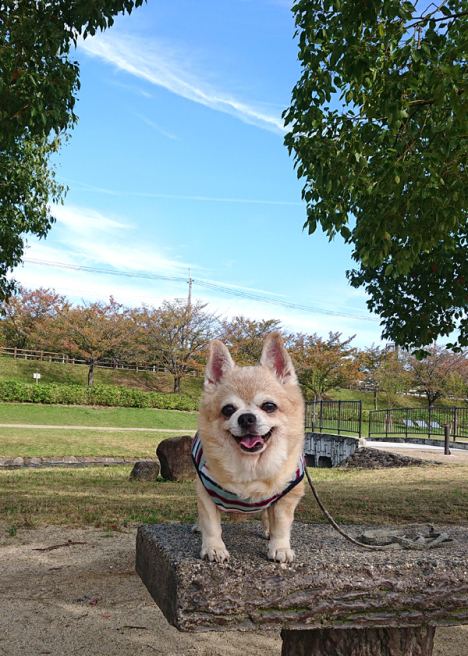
x: 73, y: 415
x: 106, y: 497
x: 367, y: 398
x: 28, y: 442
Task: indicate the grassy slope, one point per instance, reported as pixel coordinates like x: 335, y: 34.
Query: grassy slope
x: 53, y: 372
x: 74, y: 415
x: 107, y: 497
x: 406, y: 401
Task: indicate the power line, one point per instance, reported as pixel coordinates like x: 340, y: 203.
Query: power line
x: 201, y: 283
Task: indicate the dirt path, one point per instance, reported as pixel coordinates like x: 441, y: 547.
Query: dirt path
x: 46, y: 600
x: 424, y: 452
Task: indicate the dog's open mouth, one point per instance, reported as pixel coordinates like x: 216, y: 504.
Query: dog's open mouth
x: 252, y: 443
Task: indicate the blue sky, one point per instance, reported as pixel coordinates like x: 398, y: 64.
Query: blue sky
x: 178, y: 162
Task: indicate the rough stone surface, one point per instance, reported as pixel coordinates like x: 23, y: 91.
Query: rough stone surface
x: 332, y: 584
x: 145, y: 471
x: 367, y: 458
x: 409, y: 641
x: 175, y: 457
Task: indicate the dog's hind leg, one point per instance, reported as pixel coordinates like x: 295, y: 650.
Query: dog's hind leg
x: 209, y: 521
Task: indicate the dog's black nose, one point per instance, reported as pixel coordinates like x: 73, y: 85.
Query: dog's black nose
x: 246, y: 420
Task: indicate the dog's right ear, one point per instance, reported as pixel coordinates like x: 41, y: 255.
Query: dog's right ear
x: 219, y: 361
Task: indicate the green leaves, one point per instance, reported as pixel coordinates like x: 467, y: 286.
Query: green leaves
x: 394, y: 139
x: 38, y: 86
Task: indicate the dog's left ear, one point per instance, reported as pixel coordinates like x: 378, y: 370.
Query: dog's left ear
x: 219, y: 361
x: 275, y: 356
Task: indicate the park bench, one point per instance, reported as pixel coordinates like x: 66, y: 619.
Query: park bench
x: 422, y: 424
x: 336, y: 599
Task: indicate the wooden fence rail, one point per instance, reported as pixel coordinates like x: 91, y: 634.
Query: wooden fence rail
x: 64, y: 358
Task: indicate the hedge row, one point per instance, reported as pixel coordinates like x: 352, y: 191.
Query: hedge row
x: 108, y: 395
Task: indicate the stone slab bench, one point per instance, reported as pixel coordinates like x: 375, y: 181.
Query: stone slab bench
x: 335, y: 599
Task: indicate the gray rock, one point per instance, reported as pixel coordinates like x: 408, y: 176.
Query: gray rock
x: 145, y: 471
x: 176, y: 460
x: 368, y: 458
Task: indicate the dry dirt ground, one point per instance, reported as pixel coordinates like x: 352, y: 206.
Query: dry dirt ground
x: 86, y: 599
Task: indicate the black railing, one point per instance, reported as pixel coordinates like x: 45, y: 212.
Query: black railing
x: 334, y: 416
x: 428, y: 422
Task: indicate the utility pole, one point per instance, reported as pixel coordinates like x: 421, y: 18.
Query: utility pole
x: 189, y: 288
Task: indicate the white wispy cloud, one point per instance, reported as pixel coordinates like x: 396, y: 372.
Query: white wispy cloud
x: 86, y: 220
x: 148, y: 60
x: 155, y: 126
x: 91, y: 238
x: 86, y: 237
x: 145, y: 194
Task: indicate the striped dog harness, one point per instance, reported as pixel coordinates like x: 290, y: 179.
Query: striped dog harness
x: 228, y: 501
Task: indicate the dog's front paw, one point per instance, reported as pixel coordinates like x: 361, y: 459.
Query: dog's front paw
x: 217, y: 554
x: 281, y: 555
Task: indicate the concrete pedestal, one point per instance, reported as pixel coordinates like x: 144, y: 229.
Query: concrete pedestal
x: 335, y: 599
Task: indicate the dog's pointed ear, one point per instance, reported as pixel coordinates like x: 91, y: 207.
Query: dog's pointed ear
x: 219, y: 361
x: 275, y: 357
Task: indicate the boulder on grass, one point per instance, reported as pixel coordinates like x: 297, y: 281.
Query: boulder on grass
x: 176, y: 460
x: 145, y: 471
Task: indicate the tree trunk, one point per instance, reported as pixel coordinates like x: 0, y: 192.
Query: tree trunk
x: 375, y: 399
x: 176, y: 384
x: 91, y: 373
x: 407, y: 641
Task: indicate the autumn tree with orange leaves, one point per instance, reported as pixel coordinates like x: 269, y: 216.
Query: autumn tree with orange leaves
x: 93, y: 331
x: 434, y: 376
x: 176, y: 335
x: 323, y: 364
x: 245, y: 337
x: 26, y: 314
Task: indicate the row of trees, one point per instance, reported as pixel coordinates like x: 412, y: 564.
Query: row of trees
x: 176, y: 335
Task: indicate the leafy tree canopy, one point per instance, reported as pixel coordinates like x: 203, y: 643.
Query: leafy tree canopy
x: 38, y: 86
x: 379, y: 130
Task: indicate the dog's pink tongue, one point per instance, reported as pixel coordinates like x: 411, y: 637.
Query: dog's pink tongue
x: 249, y: 441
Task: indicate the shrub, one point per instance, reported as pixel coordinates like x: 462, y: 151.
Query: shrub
x: 108, y: 395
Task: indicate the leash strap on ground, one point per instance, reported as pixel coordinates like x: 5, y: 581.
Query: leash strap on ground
x: 398, y: 542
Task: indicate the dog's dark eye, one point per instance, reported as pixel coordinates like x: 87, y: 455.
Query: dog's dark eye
x: 269, y: 406
x: 228, y: 410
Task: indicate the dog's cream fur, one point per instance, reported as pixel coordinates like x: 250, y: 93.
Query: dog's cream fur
x: 258, y: 474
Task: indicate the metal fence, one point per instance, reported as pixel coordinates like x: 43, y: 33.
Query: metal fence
x: 334, y: 416
x: 428, y: 422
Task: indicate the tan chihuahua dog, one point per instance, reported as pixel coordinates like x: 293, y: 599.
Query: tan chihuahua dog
x: 248, y: 451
